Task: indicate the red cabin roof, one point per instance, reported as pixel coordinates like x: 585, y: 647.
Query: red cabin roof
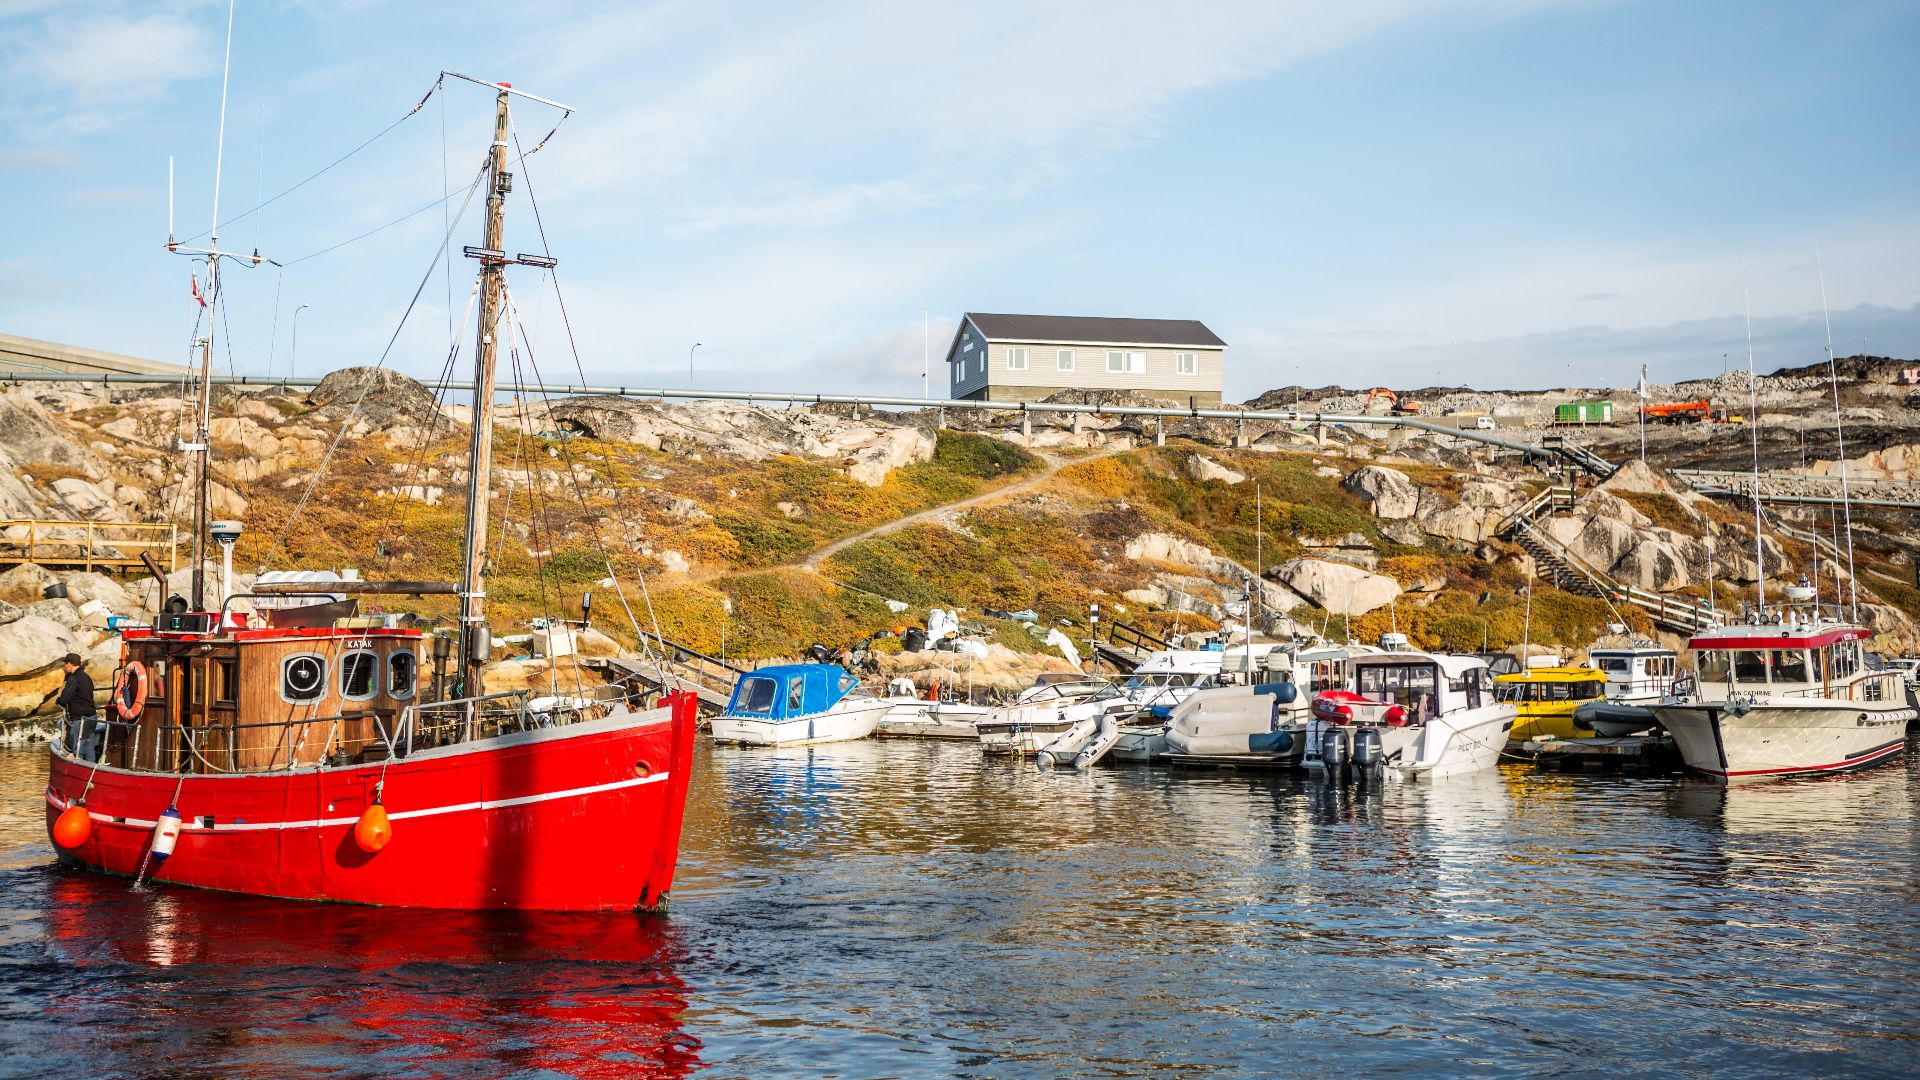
x: 1781, y: 638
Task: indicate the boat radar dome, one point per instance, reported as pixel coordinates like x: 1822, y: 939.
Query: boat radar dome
x: 1393, y: 642
x: 225, y: 532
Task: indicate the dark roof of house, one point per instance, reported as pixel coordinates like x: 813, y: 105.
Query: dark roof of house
x: 1078, y: 328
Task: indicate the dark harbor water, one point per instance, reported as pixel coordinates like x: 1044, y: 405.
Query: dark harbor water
x: 907, y: 909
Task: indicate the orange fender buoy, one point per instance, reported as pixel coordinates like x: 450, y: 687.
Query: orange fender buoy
x: 72, y: 827
x: 933, y: 692
x: 373, y: 831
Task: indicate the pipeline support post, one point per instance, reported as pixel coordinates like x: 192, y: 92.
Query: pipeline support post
x: 1159, y: 431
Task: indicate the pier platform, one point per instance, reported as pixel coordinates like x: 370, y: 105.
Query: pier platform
x: 1639, y: 753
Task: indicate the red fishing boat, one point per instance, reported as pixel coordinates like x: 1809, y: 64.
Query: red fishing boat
x: 297, y: 750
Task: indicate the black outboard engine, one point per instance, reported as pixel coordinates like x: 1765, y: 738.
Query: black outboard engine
x: 1369, y: 765
x: 1333, y: 755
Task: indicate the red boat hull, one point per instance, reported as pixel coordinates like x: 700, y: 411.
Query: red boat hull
x: 584, y: 817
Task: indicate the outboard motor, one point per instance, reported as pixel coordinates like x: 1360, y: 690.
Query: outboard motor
x: 1333, y: 754
x: 1368, y: 758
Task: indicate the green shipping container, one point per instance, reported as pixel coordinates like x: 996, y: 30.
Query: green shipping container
x: 1584, y: 412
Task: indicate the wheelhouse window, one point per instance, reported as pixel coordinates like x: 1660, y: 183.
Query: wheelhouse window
x: 796, y: 696
x: 228, y: 688
x: 1064, y: 359
x: 1712, y: 666
x: 1750, y: 666
x: 756, y: 696
x: 1789, y: 665
x: 1186, y: 363
x: 1616, y: 664
x: 403, y: 674
x: 303, y: 678
x: 359, y: 675
x: 1403, y: 684
x: 1016, y: 359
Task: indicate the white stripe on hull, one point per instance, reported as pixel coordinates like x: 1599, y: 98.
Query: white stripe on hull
x: 1781, y: 740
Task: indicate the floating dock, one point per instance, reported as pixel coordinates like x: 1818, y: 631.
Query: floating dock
x: 1639, y: 752
x: 1233, y: 761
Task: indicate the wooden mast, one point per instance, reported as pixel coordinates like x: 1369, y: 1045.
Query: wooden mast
x: 480, y: 458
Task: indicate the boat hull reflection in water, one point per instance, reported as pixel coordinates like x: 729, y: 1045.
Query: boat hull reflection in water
x: 452, y: 993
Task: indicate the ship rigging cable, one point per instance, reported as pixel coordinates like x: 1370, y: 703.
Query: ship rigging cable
x: 260, y: 206
x: 320, y: 471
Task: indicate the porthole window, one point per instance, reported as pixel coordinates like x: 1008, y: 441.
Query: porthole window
x: 303, y: 678
x: 359, y: 675
x: 402, y: 674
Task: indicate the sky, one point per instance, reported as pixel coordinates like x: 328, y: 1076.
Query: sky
x: 1496, y: 193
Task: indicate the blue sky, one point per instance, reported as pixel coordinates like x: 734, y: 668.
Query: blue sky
x: 1521, y: 193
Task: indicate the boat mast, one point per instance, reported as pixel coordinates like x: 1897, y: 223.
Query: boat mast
x: 493, y: 279
x: 200, y: 447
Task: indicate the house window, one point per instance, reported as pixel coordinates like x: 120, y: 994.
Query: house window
x: 1016, y: 359
x: 1065, y: 359
x: 959, y: 373
x: 1186, y: 363
x: 983, y: 362
x: 1132, y: 363
x: 968, y: 347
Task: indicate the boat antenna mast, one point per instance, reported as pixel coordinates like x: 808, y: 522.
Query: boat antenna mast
x: 1753, y: 409
x: 209, y: 299
x: 1840, y: 433
x: 475, y: 641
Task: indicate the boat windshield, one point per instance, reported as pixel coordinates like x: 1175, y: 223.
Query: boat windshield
x: 1400, y: 683
x: 1750, y: 666
x: 1613, y: 663
x: 757, y: 696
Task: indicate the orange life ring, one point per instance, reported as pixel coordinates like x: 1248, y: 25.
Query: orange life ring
x: 130, y: 691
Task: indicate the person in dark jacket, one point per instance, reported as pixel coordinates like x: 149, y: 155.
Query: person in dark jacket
x: 76, y: 699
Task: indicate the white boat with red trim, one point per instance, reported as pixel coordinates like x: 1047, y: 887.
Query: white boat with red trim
x: 1411, y: 714
x: 1785, y: 695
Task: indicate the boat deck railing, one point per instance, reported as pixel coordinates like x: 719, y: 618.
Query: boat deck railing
x: 216, y: 748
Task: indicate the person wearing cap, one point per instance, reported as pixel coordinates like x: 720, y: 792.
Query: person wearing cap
x: 76, y: 699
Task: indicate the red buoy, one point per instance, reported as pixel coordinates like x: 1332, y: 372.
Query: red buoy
x: 72, y: 827
x: 1396, y: 717
x: 373, y: 831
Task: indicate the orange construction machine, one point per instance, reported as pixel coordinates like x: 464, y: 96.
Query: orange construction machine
x: 1679, y: 412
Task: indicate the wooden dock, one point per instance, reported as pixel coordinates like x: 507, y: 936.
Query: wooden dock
x: 26, y: 540
x: 1639, y: 752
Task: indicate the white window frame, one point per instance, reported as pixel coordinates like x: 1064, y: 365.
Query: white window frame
x: 413, y: 683
x: 1131, y: 363
x: 1186, y: 363
x: 1016, y: 359
x: 345, y: 668
x: 325, y: 670
x: 1064, y: 360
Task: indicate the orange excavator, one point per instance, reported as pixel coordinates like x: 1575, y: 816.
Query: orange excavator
x: 1400, y: 408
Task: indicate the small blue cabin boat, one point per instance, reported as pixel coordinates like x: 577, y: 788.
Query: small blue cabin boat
x: 798, y: 704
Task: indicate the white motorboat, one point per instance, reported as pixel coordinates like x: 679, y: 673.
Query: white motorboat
x: 1639, y: 674
x: 798, y: 705
x: 935, y: 717
x: 1038, y: 716
x: 1410, y: 714
x: 1783, y: 695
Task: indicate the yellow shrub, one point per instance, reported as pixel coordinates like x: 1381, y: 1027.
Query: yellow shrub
x: 1102, y: 476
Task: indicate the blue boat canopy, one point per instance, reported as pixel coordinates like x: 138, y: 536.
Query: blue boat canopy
x: 790, y: 690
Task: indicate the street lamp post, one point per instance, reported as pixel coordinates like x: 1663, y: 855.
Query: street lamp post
x: 295, y: 358
x: 696, y: 345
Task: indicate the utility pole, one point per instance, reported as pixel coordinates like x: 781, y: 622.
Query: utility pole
x: 476, y: 643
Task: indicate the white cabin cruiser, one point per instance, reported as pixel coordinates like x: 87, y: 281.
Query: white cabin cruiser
x: 1785, y: 694
x: 1639, y: 675
x: 1410, y: 714
x: 798, y: 705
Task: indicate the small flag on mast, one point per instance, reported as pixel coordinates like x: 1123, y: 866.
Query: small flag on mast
x: 196, y: 290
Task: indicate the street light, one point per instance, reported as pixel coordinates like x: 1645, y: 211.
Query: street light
x: 295, y: 358
x: 696, y: 345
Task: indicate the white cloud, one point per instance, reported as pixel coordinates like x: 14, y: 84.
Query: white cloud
x: 34, y: 160
x: 812, y: 116
x: 89, y: 69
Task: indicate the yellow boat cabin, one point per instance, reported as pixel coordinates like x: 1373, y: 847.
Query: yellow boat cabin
x: 1545, y: 698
